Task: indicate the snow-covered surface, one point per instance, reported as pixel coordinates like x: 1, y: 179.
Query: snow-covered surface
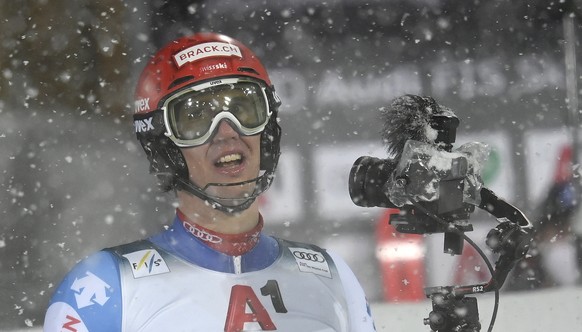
x: 542, y: 310
x: 555, y: 309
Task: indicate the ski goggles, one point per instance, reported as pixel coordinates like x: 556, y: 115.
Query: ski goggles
x: 192, y: 115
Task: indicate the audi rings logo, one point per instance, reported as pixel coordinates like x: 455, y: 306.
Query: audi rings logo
x: 314, y: 257
x: 202, y: 234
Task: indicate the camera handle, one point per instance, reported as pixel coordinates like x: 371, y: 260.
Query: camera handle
x: 452, y: 311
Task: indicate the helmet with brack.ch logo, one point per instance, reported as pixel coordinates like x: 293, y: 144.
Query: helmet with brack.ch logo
x: 186, y: 90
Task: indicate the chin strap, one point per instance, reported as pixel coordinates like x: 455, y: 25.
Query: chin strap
x: 262, y: 183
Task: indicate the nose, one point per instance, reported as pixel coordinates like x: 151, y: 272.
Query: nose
x: 225, y: 130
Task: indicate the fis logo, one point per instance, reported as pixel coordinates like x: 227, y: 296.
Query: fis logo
x: 146, y: 263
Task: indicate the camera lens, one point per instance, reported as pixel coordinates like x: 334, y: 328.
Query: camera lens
x: 367, y: 179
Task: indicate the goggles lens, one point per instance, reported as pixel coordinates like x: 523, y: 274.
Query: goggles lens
x: 193, y: 115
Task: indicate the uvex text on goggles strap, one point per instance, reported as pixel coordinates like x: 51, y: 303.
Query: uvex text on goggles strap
x: 192, y: 115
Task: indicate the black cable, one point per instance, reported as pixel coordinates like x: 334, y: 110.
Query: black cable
x: 492, y: 271
x: 449, y: 227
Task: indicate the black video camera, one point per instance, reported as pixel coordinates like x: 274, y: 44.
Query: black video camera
x: 435, y: 190
x: 428, y: 180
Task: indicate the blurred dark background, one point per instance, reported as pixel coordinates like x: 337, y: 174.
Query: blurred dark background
x: 74, y: 180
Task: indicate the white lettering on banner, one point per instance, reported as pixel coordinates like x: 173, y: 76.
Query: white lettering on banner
x: 486, y: 78
x: 206, y: 50
x: 141, y: 126
x: 141, y: 105
x: 466, y: 79
x: 491, y: 78
x: 369, y: 89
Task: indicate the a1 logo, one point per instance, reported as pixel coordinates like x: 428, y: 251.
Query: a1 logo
x: 242, y: 296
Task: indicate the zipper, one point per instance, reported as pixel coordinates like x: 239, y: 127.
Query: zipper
x: 237, y: 264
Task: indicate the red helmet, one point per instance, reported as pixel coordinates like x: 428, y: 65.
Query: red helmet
x: 193, y: 59
x: 183, y: 65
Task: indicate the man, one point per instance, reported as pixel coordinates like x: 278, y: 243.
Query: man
x: 205, y: 114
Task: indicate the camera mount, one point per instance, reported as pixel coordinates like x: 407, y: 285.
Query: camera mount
x: 452, y: 310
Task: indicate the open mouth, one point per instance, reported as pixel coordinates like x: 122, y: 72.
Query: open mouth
x: 230, y: 160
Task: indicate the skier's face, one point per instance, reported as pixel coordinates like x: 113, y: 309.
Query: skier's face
x: 226, y: 158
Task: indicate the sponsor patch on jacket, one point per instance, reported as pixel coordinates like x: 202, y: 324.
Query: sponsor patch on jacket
x: 206, y: 50
x: 311, y: 261
x: 145, y: 263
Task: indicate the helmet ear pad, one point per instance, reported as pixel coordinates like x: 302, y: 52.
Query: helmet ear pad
x: 271, y: 135
x: 167, y: 162
x: 270, y: 144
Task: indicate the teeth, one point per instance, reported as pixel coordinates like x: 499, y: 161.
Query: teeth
x: 230, y: 157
